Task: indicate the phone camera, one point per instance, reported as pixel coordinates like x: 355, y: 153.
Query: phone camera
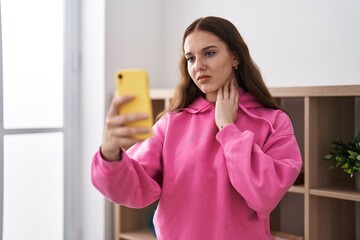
x: 120, y: 76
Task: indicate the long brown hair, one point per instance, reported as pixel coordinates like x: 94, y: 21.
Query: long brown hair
x: 248, y: 75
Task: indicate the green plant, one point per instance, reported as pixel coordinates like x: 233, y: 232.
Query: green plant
x: 345, y: 155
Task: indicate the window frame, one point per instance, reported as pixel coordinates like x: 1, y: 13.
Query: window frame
x: 70, y: 129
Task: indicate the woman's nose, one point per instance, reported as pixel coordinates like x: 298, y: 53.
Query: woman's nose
x: 199, y: 65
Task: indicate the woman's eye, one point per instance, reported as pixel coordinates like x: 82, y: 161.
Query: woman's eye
x: 190, y: 59
x: 209, y: 54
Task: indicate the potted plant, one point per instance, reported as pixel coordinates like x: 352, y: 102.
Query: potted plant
x: 345, y: 156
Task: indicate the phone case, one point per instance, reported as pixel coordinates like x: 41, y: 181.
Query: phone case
x: 135, y: 82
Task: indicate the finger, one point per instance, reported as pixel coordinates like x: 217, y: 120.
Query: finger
x: 236, y: 100
x: 120, y: 120
x: 117, y: 102
x: 132, y: 117
x: 219, y: 95
x: 127, y: 142
x: 226, y: 90
x: 233, y: 91
x: 235, y: 82
x: 129, y: 131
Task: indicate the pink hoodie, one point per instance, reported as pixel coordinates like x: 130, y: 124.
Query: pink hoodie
x: 210, y: 184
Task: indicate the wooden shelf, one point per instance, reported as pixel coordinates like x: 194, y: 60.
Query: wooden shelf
x: 285, y: 236
x: 316, y: 91
x: 338, y: 193
x: 309, y: 210
x: 297, y: 189
x: 141, y: 234
x: 161, y: 93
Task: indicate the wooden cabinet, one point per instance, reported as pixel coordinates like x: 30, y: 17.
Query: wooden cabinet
x: 321, y: 204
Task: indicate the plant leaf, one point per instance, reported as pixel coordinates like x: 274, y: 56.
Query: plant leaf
x: 352, y: 153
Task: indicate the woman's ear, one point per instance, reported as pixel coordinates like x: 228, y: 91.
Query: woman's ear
x: 235, y: 63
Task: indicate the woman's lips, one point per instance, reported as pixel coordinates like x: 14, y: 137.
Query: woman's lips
x: 203, y: 78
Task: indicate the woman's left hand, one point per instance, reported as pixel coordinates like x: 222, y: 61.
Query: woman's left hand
x: 226, y: 104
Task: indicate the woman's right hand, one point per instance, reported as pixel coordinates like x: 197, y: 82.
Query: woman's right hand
x: 116, y: 134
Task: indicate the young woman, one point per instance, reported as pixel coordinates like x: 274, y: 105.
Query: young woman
x: 220, y: 158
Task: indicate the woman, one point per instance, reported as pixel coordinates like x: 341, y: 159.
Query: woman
x: 220, y: 158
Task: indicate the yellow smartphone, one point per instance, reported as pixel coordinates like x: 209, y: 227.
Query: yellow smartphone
x: 135, y: 82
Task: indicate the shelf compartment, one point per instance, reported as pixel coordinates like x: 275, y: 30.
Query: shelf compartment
x: 287, y: 218
x: 158, y: 106
x: 160, y: 99
x: 331, y: 218
x: 133, y: 224
x: 329, y: 118
x: 294, y: 107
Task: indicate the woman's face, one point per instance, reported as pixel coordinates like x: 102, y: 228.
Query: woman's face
x: 209, y: 62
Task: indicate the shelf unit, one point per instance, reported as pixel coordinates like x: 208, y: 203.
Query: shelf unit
x: 321, y: 204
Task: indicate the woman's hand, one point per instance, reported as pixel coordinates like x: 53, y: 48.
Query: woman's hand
x: 226, y: 104
x: 116, y: 134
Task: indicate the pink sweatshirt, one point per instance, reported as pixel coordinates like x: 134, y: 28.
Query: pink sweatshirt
x: 211, y: 184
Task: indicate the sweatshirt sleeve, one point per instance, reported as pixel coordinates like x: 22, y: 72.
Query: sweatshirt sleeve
x: 261, y: 175
x: 135, y: 180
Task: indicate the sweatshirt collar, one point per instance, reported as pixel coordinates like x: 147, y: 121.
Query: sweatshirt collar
x: 199, y: 105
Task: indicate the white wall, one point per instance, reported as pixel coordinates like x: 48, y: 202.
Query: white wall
x: 134, y: 37
x: 295, y: 43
